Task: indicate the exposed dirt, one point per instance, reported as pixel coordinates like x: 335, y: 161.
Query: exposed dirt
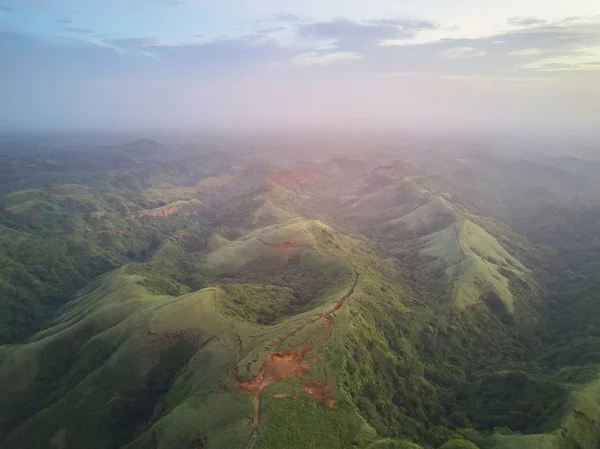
x: 283, y: 365
x: 279, y: 366
x: 580, y: 415
x: 320, y: 392
x: 284, y: 244
x: 281, y: 395
x: 287, y: 179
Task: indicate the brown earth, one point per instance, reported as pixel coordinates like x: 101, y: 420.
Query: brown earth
x: 580, y: 415
x: 283, y: 365
x: 279, y: 366
x: 320, y: 392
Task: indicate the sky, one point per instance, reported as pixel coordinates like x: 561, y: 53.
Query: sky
x: 195, y: 63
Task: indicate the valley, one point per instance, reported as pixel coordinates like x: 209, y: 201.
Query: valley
x: 386, y: 299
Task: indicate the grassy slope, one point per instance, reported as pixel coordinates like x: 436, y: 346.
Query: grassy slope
x: 113, y: 336
x: 122, y: 352
x: 150, y: 363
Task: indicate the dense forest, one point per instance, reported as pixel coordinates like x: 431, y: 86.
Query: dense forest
x: 159, y: 295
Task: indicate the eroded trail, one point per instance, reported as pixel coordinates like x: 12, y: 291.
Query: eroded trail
x: 283, y: 365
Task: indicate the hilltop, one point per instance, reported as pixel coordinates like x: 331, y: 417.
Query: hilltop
x: 430, y: 299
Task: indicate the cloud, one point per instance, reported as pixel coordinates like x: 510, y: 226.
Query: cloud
x: 147, y: 82
x: 64, y: 21
x: 286, y: 17
x: 574, y: 62
x: 471, y: 77
x: 527, y: 52
x: 5, y: 9
x: 314, y: 58
x: 150, y: 55
x: 525, y: 21
x: 562, y: 67
x: 462, y: 53
x: 352, y: 33
x: 79, y: 30
x: 272, y: 30
x: 136, y: 43
x: 509, y: 79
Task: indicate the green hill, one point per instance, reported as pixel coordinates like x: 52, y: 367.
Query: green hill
x: 218, y: 301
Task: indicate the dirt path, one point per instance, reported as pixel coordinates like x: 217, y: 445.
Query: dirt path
x: 283, y: 365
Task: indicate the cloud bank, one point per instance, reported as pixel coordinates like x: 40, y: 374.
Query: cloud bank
x: 301, y: 69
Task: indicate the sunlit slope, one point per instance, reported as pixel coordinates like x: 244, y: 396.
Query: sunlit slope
x: 426, y: 218
x: 127, y: 348
x: 475, y: 264
x: 294, y: 235
x: 231, y: 365
x: 456, y: 248
x: 266, y: 205
x: 54, y: 241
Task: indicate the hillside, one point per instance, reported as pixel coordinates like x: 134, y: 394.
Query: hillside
x: 221, y: 301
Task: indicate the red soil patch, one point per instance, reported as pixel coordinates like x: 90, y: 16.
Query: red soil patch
x: 580, y: 415
x: 283, y: 365
x: 320, y: 392
x: 284, y: 244
x: 114, y: 398
x: 287, y: 179
x: 329, y: 322
x: 279, y: 366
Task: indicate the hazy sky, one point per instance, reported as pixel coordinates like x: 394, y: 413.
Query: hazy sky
x: 185, y: 63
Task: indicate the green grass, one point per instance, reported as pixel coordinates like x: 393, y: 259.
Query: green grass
x: 439, y: 345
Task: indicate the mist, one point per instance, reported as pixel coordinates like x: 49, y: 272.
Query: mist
x: 283, y: 70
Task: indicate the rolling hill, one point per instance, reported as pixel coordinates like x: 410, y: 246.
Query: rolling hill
x: 220, y: 301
